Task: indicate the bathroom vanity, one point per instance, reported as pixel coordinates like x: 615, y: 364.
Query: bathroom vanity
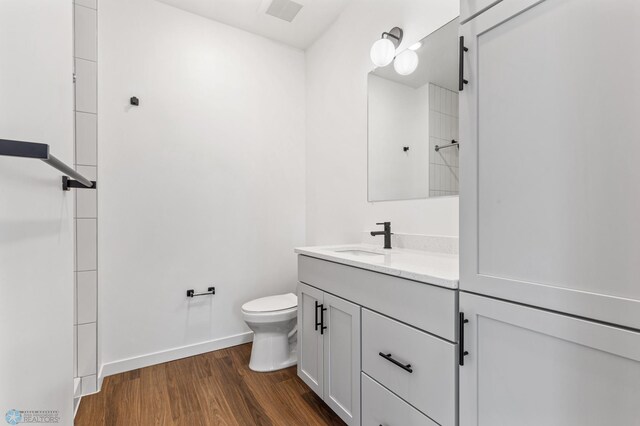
x: 378, y: 333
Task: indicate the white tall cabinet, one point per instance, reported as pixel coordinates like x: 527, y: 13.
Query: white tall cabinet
x: 549, y: 212
x: 549, y: 154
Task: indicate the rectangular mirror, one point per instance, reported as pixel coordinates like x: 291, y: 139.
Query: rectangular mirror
x: 413, y: 123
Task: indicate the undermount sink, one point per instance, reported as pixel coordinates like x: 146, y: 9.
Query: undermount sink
x: 359, y: 252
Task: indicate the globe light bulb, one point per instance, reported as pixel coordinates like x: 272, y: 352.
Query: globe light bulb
x: 406, y: 62
x: 382, y: 52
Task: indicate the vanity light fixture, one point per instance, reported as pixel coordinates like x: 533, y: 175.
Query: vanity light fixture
x: 406, y: 62
x: 384, y: 50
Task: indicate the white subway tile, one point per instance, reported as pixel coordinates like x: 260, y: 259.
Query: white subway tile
x: 445, y: 130
x: 86, y: 199
x: 431, y: 123
x: 86, y: 86
x: 87, y: 296
x: 85, y: 33
x: 86, y: 139
x: 432, y: 174
x: 455, y: 128
x: 446, y: 107
x: 436, y: 124
x: 447, y: 156
x: 87, y: 353
x: 432, y: 145
x: 437, y: 105
x: 86, y: 241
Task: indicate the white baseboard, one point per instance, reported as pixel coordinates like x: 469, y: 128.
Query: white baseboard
x: 141, y: 361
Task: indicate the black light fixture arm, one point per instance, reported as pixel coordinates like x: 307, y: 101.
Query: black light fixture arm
x: 395, y: 34
x: 387, y: 35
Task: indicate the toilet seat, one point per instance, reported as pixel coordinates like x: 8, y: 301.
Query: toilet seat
x: 267, y: 317
x: 282, y: 307
x: 268, y: 304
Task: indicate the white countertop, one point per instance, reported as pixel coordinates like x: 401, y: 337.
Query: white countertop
x: 432, y: 268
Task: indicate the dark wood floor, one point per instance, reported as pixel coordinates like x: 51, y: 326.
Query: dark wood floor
x: 216, y: 388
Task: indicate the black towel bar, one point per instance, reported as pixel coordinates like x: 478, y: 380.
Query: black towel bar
x: 40, y: 151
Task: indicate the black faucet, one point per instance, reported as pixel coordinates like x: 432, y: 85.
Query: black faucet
x: 387, y: 234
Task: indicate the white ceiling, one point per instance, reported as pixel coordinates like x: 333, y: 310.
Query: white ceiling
x: 314, y: 18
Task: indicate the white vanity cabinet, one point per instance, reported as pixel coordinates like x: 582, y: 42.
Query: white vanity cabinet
x: 329, y: 350
x: 388, y: 354
x: 527, y: 366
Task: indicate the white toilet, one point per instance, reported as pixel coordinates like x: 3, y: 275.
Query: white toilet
x: 273, y: 321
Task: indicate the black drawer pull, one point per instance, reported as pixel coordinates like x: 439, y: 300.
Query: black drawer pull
x: 322, y: 326
x: 389, y: 358
x: 316, y: 317
x: 461, y: 352
x: 461, y: 50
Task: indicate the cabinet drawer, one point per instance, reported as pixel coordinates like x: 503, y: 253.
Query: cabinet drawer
x: 471, y: 8
x: 381, y: 407
x: 429, y: 383
x: 430, y: 308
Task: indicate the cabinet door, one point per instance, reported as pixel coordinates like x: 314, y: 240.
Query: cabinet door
x: 549, y: 199
x: 342, y: 358
x: 532, y: 367
x: 310, y: 340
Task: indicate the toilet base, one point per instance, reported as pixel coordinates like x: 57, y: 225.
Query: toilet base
x: 272, y: 352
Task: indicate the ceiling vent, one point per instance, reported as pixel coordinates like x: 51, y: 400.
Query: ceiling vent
x: 286, y: 10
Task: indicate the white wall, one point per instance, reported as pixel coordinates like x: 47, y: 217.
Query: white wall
x: 36, y: 217
x: 202, y: 184
x: 337, y: 67
x: 398, y: 117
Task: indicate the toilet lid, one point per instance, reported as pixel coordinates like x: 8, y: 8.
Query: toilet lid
x: 272, y: 303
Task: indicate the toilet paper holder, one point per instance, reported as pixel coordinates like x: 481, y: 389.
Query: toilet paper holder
x: 210, y: 291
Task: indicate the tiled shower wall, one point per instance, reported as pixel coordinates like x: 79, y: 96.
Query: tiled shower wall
x: 86, y: 206
x: 443, y: 127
